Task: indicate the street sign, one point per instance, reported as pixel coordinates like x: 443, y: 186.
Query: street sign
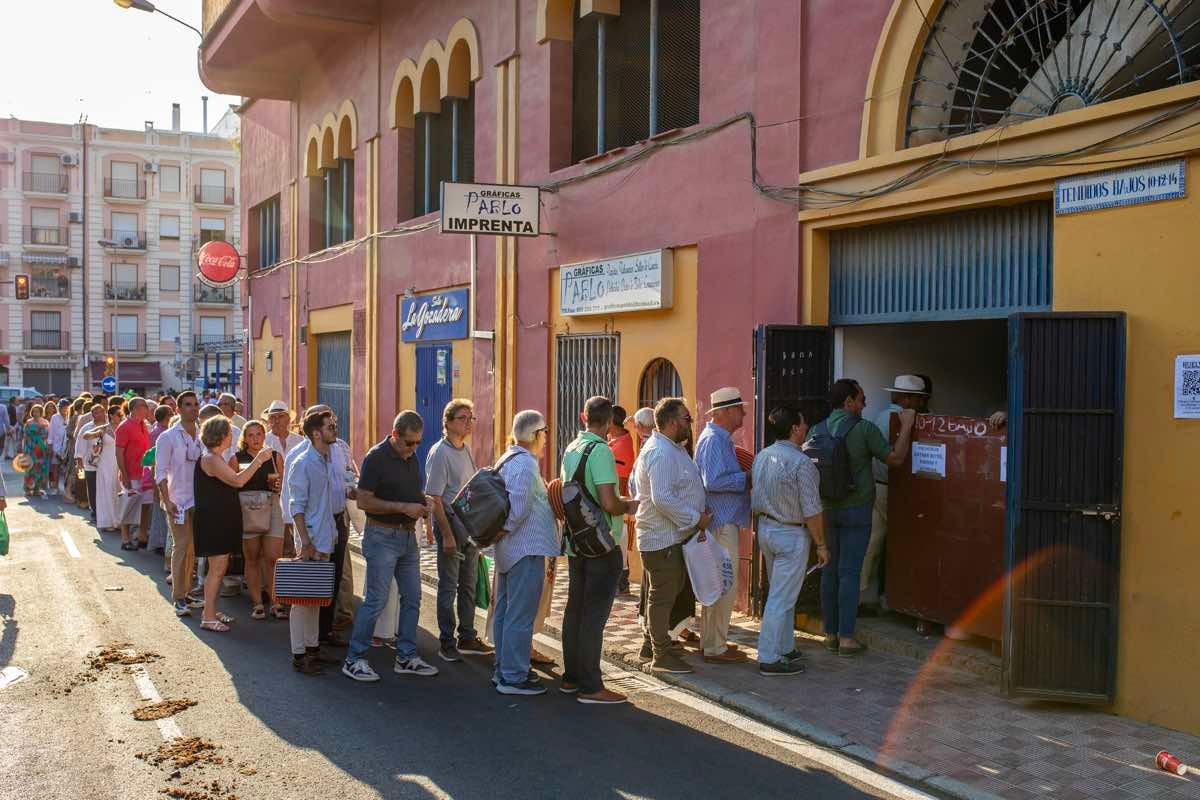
x: 490, y: 208
x: 108, y: 384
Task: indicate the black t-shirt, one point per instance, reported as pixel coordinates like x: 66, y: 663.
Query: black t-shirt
x: 390, y: 477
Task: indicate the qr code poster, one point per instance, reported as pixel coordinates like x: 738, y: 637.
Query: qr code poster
x: 1187, y: 387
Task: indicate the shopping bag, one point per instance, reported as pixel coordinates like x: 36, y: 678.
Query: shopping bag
x: 129, y: 507
x: 483, y: 582
x: 3, y: 534
x: 709, y: 567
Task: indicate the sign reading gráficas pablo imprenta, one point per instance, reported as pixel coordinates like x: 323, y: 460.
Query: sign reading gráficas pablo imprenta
x: 489, y: 208
x: 637, y: 282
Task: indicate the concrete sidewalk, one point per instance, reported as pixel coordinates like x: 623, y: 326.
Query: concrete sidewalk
x: 940, y: 727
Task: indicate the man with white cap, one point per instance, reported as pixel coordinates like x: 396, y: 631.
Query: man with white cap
x: 727, y: 493
x: 907, y: 391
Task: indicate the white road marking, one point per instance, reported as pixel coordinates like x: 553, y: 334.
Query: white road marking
x: 10, y: 675
x: 835, y: 763
x: 145, y: 686
x: 69, y: 543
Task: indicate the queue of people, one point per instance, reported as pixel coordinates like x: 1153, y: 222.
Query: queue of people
x: 206, y: 487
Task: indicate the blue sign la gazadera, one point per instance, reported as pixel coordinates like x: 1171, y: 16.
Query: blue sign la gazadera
x: 108, y: 384
x: 435, y: 317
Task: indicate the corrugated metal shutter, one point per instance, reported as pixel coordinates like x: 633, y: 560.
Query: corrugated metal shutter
x: 984, y: 263
x: 587, y: 365
x: 333, y: 376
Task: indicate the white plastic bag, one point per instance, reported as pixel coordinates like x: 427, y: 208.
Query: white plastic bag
x: 709, y: 566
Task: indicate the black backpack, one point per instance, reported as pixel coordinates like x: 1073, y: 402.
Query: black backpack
x: 832, y: 459
x: 479, y: 509
x: 585, y: 522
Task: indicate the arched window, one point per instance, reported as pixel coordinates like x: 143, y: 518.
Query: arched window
x: 444, y: 150
x: 989, y: 64
x: 634, y: 74
x: 659, y: 379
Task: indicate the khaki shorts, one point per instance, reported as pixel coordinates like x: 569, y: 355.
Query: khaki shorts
x: 276, y: 531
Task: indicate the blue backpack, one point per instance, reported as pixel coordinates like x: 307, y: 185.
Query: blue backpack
x: 832, y: 458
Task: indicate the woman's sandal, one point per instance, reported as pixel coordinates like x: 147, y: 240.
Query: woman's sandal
x: 259, y: 612
x: 223, y: 617
x: 213, y: 625
x: 279, y: 612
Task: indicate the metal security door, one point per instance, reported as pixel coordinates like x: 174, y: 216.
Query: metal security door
x: 333, y: 377
x: 1065, y: 448
x: 790, y: 362
x: 586, y: 365
x: 433, y: 392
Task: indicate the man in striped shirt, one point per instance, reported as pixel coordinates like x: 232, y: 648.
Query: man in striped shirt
x: 727, y: 487
x: 671, y: 508
x: 787, y: 504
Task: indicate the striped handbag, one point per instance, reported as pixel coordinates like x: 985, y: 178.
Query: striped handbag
x: 304, y: 583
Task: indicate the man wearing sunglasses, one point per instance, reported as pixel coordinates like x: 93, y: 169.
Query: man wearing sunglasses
x: 391, y: 492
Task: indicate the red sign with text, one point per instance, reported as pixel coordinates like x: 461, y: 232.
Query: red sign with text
x: 218, y: 263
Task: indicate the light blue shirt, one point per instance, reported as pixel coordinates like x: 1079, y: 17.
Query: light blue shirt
x: 530, y: 529
x: 724, y: 479
x: 311, y: 483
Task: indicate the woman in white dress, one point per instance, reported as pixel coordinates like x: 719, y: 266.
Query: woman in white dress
x: 106, y: 470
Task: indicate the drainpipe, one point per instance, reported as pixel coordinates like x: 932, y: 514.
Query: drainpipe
x: 428, y: 162
x: 204, y: 113
x: 454, y: 104
x: 83, y: 259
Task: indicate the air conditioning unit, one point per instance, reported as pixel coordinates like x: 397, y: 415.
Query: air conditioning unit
x: 130, y: 241
x: 75, y: 216
x: 149, y: 166
x: 69, y: 160
x: 73, y: 261
x: 6, y: 157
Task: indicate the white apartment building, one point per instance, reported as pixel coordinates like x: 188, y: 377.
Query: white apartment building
x: 106, y: 224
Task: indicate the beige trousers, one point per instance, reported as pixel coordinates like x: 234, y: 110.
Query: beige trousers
x: 183, y: 556
x: 868, y: 583
x: 714, y: 619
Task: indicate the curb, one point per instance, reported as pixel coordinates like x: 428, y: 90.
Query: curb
x: 761, y: 710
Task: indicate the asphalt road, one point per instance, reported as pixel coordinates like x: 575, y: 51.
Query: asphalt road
x: 285, y: 735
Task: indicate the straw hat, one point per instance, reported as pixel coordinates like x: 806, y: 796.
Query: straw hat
x: 277, y: 407
x: 726, y: 397
x: 22, y: 462
x: 908, y: 384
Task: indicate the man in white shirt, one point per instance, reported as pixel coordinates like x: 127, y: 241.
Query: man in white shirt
x: 286, y: 443
x: 671, y: 495
x: 83, y: 452
x: 178, y: 450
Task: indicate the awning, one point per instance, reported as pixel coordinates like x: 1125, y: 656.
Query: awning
x: 48, y: 259
x: 132, y: 373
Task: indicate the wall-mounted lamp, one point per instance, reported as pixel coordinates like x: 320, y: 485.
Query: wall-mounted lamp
x: 270, y: 360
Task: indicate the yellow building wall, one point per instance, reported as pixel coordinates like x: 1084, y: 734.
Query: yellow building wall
x: 266, y: 386
x: 461, y: 358
x: 1142, y: 260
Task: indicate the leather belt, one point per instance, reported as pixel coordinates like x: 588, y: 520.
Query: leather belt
x: 398, y: 526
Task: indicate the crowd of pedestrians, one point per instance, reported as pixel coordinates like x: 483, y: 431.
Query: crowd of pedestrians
x: 215, y: 493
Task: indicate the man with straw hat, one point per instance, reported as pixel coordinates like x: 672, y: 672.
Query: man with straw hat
x: 907, y: 391
x: 283, y: 440
x: 727, y: 493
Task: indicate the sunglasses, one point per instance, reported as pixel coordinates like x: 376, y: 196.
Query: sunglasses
x: 465, y: 419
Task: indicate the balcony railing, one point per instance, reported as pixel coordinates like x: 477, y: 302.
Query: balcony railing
x: 125, y: 188
x: 47, y: 340
x: 124, y: 240
x: 220, y: 342
x: 125, y: 341
x: 46, y: 182
x: 214, y: 195
x: 124, y: 290
x: 49, y: 287
x: 39, y: 235
x: 203, y: 293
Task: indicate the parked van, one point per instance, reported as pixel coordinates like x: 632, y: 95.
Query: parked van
x: 19, y: 392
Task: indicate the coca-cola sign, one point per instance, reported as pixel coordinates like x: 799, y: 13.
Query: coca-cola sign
x: 218, y: 263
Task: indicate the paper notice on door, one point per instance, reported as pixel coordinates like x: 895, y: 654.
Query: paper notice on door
x: 929, y: 459
x: 1004, y: 465
x: 1187, y: 387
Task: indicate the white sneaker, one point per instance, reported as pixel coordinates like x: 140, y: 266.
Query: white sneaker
x: 360, y: 670
x: 414, y: 666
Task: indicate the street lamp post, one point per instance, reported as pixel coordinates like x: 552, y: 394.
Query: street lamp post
x: 147, y: 6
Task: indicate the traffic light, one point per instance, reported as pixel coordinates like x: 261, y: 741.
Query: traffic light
x: 21, y: 286
x: 110, y: 364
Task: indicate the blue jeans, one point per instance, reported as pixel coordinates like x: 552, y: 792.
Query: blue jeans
x: 389, y: 552
x: 518, y: 593
x: 785, y: 551
x: 847, y: 532
x: 456, y: 581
